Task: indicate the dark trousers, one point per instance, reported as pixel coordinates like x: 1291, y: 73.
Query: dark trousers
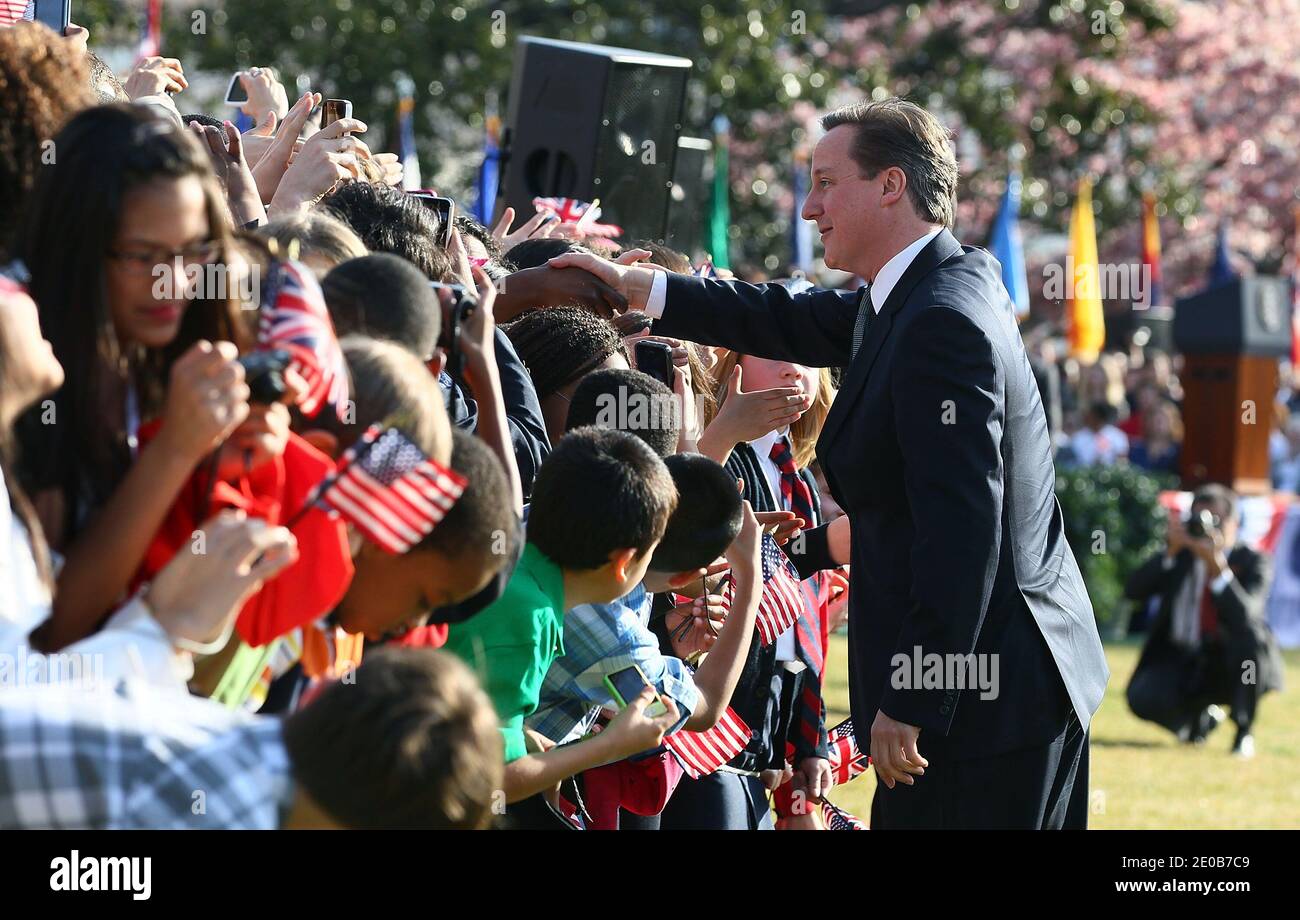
x: 1172, y: 688
x: 1042, y: 787
x: 720, y: 801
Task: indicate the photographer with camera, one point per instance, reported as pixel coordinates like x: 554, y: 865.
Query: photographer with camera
x: 1209, y: 642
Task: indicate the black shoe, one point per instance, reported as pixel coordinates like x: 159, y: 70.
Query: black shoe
x: 1206, y: 722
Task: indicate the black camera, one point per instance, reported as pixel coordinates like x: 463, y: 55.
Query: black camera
x: 264, y: 374
x: 458, y: 302
x: 1201, y: 524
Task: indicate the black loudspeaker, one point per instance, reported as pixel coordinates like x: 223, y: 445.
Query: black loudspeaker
x: 588, y: 122
x: 689, y: 195
x: 1249, y: 316
x: 1152, y: 328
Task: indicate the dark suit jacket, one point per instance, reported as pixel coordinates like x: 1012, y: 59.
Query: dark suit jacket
x: 1243, y: 623
x: 937, y: 449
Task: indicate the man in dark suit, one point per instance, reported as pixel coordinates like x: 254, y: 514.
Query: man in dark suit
x: 937, y: 449
x: 1210, y: 642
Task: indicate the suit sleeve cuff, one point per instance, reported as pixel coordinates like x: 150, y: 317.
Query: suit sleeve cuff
x: 813, y: 554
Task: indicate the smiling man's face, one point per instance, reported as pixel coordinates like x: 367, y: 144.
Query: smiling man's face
x: 845, y: 205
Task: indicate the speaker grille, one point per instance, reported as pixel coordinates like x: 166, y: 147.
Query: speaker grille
x: 638, y: 142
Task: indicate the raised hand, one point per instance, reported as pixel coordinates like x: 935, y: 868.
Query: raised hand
x: 154, y: 76
x: 197, y: 594
x: 266, y: 94
x: 748, y: 416
x: 207, y: 399
x: 540, y: 225
x: 549, y: 287
x: 632, y: 281
x: 271, y: 165
x: 226, y: 154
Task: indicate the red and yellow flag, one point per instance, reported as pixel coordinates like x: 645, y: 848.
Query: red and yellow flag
x: 1151, y: 251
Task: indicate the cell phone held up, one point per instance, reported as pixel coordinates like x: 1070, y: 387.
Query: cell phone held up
x: 457, y: 304
x: 655, y: 359
x: 444, y: 209
x: 334, y: 109
x: 56, y: 14
x: 626, y: 685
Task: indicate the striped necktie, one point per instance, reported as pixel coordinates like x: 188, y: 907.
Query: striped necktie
x: 866, y: 313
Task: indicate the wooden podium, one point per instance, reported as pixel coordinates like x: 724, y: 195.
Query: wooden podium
x: 1231, y: 337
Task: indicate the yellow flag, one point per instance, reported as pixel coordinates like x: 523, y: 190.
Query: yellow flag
x: 1085, y: 319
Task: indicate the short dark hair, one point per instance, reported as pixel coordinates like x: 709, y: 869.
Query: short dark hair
x: 411, y: 742
x: 389, y: 220
x: 560, y: 344
x: 103, y: 82
x: 628, y: 400
x: 482, y: 520
x: 895, y: 132
x: 315, y: 233
x: 599, y: 491
x: 535, y: 252
x: 388, y: 385
x: 384, y: 297
x: 709, y: 514
x: 208, y: 122
x: 1222, y: 499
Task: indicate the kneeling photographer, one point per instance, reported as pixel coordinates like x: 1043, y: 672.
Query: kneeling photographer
x: 1209, y: 643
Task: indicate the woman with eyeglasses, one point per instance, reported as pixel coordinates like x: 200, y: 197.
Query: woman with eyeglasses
x: 117, y: 231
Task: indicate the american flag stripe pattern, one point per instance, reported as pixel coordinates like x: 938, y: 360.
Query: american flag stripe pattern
x: 701, y: 753
x: 782, y: 598
x: 294, y: 317
x: 390, y: 490
x: 839, y: 820
x: 705, y: 270
x: 572, y: 210
x: 12, y: 11
x: 846, y: 758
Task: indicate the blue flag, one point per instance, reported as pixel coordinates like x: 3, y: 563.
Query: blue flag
x: 1221, y: 272
x: 1008, y: 247
x: 800, y: 230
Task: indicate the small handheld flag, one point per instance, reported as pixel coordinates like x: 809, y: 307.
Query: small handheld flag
x: 389, y: 490
x: 782, y: 598
x: 701, y: 753
x: 839, y: 820
x: 845, y: 757
x: 576, y: 212
x: 294, y: 318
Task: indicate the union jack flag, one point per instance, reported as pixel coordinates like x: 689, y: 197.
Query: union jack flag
x: 295, y: 319
x: 846, y: 758
x: 390, y: 490
x: 839, y: 820
x: 782, y: 598
x: 574, y: 211
x: 703, y: 752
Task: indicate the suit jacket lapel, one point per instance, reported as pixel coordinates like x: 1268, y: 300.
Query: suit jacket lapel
x: 939, y: 249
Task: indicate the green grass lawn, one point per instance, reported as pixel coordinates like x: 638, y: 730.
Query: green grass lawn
x: 1141, y: 777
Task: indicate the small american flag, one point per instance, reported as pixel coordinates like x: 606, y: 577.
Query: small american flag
x: 703, y: 752
x: 846, y: 758
x: 150, y: 44
x: 839, y: 820
x: 12, y: 11
x: 573, y: 211
x: 390, y: 490
x: 782, y: 598
x: 294, y: 318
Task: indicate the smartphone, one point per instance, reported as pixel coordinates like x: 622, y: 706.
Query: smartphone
x: 445, y: 209
x: 235, y: 94
x: 655, y: 359
x: 457, y: 304
x: 334, y: 109
x: 54, y: 13
x: 627, y: 684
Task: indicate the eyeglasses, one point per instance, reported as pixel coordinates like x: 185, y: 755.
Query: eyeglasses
x: 145, y: 260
